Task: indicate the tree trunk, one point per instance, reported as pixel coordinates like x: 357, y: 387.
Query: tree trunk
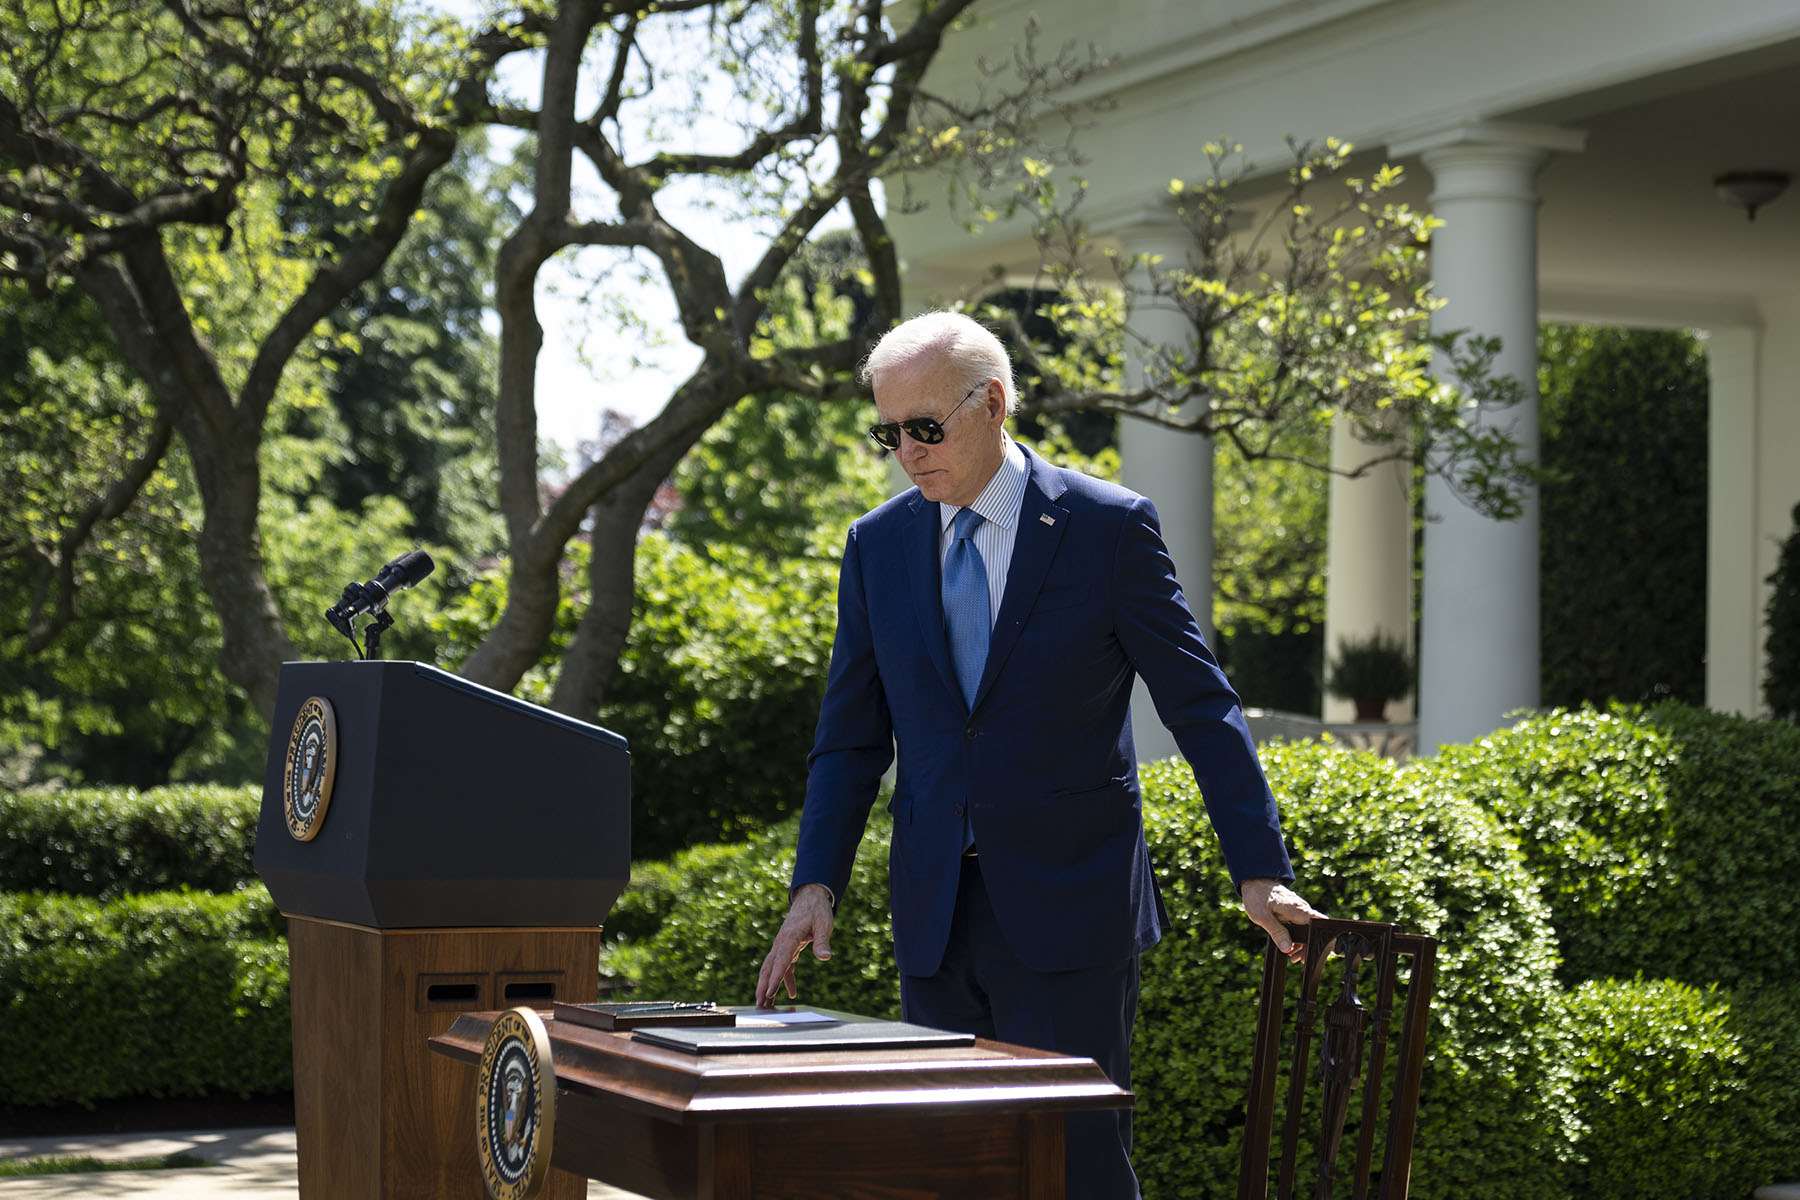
x: 231, y: 564
x: 517, y: 640
x: 145, y: 311
x: 592, y: 657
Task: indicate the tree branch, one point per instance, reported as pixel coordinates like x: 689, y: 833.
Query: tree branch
x: 615, y: 83
x: 117, y: 499
x: 809, y: 123
x: 356, y: 264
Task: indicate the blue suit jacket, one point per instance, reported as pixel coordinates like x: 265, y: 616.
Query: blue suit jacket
x: 1044, y: 758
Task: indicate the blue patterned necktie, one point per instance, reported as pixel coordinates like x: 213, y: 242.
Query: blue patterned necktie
x: 966, y: 620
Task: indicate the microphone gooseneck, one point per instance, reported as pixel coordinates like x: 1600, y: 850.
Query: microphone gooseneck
x: 373, y: 596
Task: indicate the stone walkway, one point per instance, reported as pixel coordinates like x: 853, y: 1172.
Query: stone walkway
x: 252, y: 1164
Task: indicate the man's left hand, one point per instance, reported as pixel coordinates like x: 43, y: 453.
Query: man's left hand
x: 1275, y: 906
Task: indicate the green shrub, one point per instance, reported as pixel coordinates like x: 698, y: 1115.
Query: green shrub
x: 1685, y: 1093
x: 1650, y: 829
x: 718, y: 687
x: 656, y: 889
x: 1368, y: 843
x: 1623, y: 553
x: 109, y: 842
x: 1781, y: 687
x: 727, y: 903
x: 168, y: 994
x: 718, y: 690
x: 1378, y: 844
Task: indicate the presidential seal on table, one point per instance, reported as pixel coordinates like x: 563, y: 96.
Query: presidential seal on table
x: 515, y: 1106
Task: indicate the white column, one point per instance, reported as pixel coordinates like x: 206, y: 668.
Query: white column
x: 1368, y: 557
x: 1478, y: 652
x: 1734, y: 592
x: 1776, y: 417
x: 1174, y: 469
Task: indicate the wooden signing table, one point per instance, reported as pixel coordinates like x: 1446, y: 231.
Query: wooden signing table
x: 962, y: 1123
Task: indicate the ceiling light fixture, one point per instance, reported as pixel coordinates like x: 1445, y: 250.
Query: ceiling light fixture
x: 1750, y: 190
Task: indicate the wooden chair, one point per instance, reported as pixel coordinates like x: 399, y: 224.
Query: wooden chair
x: 1354, y: 1053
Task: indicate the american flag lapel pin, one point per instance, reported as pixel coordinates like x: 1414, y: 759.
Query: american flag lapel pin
x: 1046, y: 518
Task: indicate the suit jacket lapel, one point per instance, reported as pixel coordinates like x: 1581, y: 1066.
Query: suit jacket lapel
x: 923, y: 570
x: 1033, y: 549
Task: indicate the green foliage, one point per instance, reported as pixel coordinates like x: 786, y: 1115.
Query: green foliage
x: 1374, y: 843
x: 1369, y: 842
x: 70, y: 1164
x: 1269, y: 524
x: 314, y: 549
x: 392, y: 402
x: 108, y: 842
x: 1624, y: 424
x: 1274, y: 670
x: 1276, y: 345
x: 780, y: 475
x: 717, y: 689
x: 1781, y: 687
x: 118, y: 693
x: 724, y: 905
x: 167, y: 994
x: 412, y: 364
x: 1684, y: 1092
x: 1649, y: 829
x: 657, y: 885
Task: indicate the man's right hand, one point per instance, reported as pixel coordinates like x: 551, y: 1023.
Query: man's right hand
x: 809, y: 921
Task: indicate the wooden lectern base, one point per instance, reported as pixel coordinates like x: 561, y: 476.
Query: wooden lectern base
x: 978, y: 1122
x: 377, y: 1115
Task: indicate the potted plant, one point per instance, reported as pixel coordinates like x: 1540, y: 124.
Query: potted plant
x: 1369, y: 672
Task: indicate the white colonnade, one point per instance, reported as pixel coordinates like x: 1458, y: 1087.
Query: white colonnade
x: 1368, y: 556
x: 1174, y: 469
x: 1479, y: 626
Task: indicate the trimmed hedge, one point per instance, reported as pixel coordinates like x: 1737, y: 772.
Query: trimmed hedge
x: 1376, y: 843
x: 1781, y: 687
x: 1623, y: 548
x: 111, y: 842
x: 1495, y: 1122
x: 167, y: 994
x: 720, y: 907
x: 1712, y: 1070
x: 1667, y: 839
x: 718, y: 688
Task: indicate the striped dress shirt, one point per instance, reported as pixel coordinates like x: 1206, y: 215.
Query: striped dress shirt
x: 999, y: 504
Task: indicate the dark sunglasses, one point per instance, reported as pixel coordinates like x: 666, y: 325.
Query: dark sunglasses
x: 923, y: 430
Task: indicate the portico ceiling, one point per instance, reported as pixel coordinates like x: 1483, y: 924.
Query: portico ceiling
x: 1631, y: 229
x: 1635, y: 212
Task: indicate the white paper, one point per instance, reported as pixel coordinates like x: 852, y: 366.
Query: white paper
x: 795, y: 1016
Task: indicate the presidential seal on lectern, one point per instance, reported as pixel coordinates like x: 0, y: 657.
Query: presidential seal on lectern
x: 310, y: 768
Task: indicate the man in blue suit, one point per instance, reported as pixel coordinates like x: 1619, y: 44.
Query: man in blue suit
x: 990, y: 623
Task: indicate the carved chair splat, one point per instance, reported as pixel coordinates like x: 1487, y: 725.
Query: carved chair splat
x: 1354, y: 1046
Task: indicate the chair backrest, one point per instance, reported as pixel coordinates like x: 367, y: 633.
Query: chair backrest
x: 1354, y: 1053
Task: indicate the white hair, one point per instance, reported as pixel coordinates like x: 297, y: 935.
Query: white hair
x: 966, y: 344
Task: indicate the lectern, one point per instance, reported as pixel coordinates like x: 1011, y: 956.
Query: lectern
x: 438, y: 848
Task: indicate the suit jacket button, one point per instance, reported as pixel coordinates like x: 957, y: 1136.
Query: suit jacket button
x: 968, y: 733
x: 959, y: 810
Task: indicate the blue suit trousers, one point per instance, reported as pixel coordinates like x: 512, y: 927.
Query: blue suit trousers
x: 982, y: 988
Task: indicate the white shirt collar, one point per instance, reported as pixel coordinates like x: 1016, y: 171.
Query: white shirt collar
x: 999, y: 500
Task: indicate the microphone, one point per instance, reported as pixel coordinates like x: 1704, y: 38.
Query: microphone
x: 373, y: 596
